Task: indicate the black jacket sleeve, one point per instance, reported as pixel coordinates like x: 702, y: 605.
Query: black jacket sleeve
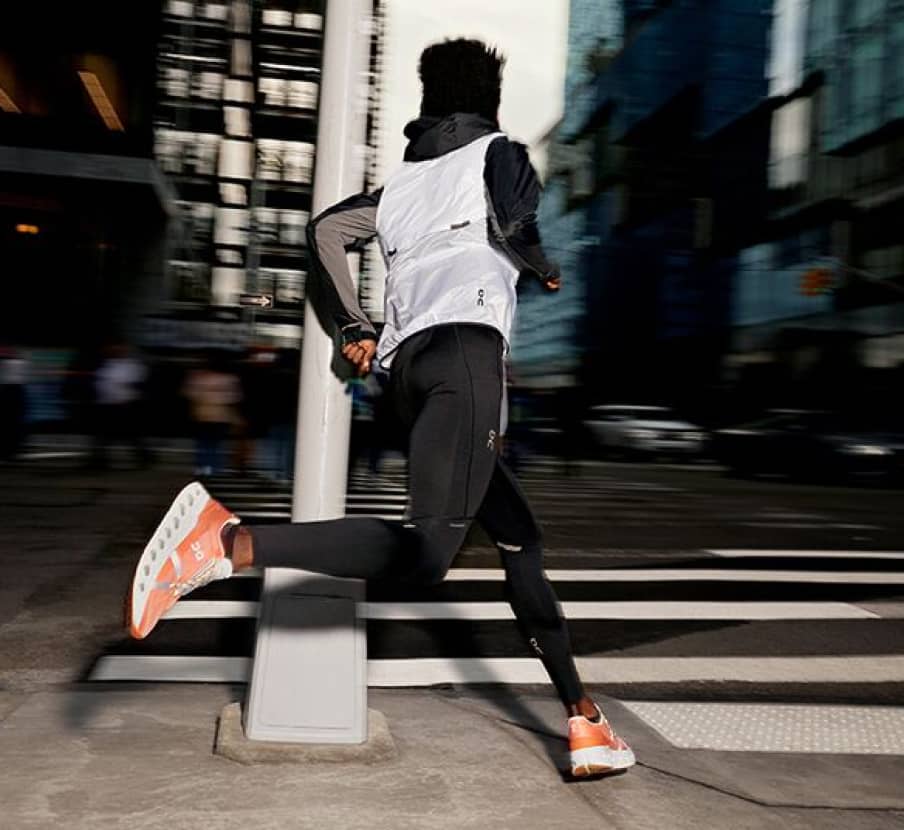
x: 345, y: 227
x: 513, y: 193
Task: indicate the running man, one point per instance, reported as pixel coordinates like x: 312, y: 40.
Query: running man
x: 457, y: 226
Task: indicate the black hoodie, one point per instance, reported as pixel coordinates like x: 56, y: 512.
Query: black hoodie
x: 512, y: 189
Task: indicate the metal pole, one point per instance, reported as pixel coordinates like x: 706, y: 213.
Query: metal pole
x: 309, y: 682
x: 324, y: 414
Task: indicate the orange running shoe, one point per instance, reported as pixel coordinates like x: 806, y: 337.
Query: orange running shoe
x: 185, y: 552
x: 595, y: 748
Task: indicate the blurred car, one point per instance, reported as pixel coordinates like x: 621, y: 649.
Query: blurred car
x: 644, y: 431
x: 811, y: 445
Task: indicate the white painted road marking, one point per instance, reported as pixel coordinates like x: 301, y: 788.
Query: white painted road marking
x: 669, y: 575
x: 430, y: 671
x: 228, y: 609
x: 731, y: 553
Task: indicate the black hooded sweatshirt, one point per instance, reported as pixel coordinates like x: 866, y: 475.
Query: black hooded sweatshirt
x: 512, y: 191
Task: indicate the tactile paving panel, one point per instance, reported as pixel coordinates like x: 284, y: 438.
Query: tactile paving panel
x: 766, y: 727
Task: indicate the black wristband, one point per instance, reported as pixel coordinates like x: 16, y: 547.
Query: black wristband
x: 354, y: 334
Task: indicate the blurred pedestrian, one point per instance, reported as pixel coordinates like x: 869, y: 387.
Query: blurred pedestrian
x: 254, y: 409
x: 214, y: 392
x: 13, y: 386
x: 456, y: 224
x: 283, y: 415
x: 119, y: 385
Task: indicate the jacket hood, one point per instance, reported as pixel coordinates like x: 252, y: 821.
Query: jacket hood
x: 429, y: 136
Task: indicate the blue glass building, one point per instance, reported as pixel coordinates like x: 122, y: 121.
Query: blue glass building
x: 658, y: 173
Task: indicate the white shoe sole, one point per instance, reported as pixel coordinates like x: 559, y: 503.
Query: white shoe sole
x: 178, y: 522
x: 596, y: 760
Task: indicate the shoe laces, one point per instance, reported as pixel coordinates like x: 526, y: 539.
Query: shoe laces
x: 208, y: 573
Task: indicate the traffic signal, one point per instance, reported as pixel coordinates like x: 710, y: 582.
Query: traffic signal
x: 816, y: 281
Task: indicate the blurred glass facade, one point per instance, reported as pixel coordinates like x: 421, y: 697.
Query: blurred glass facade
x: 719, y: 159
x: 235, y: 129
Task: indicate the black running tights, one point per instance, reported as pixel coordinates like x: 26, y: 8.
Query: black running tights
x: 447, y: 384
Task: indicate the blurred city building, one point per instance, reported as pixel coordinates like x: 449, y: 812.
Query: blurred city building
x: 818, y: 304
x: 657, y: 176
x: 156, y: 162
x: 550, y: 339
x: 725, y: 197
x: 235, y: 130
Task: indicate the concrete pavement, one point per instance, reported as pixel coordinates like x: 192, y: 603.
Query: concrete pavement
x: 81, y: 755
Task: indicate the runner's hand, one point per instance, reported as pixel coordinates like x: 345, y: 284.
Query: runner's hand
x: 360, y: 354
x: 553, y: 282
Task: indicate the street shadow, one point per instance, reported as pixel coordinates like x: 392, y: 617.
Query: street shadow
x: 237, y: 638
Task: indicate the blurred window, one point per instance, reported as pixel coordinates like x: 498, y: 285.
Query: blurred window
x: 286, y: 285
x: 201, y: 153
x: 298, y: 161
x: 201, y: 218
x: 241, y: 92
x: 168, y: 150
x: 232, y: 193
x: 290, y: 288
x: 237, y: 122
x: 185, y: 152
x: 225, y: 256
x: 236, y: 159
x: 301, y: 94
x: 207, y: 85
x: 214, y: 11
x: 241, y: 57
x: 306, y: 20
x: 273, y: 91
x: 790, y: 143
x: 787, y: 45
x: 180, y: 8
x: 269, y: 159
x: 231, y: 226
x: 176, y: 82
x: 276, y: 17
x: 292, y: 225
x: 241, y: 16
x: 267, y: 221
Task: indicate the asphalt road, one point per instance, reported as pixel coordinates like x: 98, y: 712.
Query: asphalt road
x: 651, y: 562
x: 648, y: 506
x: 685, y: 591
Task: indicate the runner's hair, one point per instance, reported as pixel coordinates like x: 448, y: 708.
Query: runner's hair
x: 461, y: 76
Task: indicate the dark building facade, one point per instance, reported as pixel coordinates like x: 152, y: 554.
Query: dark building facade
x: 83, y: 205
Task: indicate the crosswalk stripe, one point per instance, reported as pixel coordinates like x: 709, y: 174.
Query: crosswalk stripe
x: 669, y: 575
x: 868, y: 669
x: 46, y: 456
x: 794, y: 554
x: 577, y: 610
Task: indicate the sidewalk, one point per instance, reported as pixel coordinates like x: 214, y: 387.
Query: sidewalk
x: 78, y: 755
